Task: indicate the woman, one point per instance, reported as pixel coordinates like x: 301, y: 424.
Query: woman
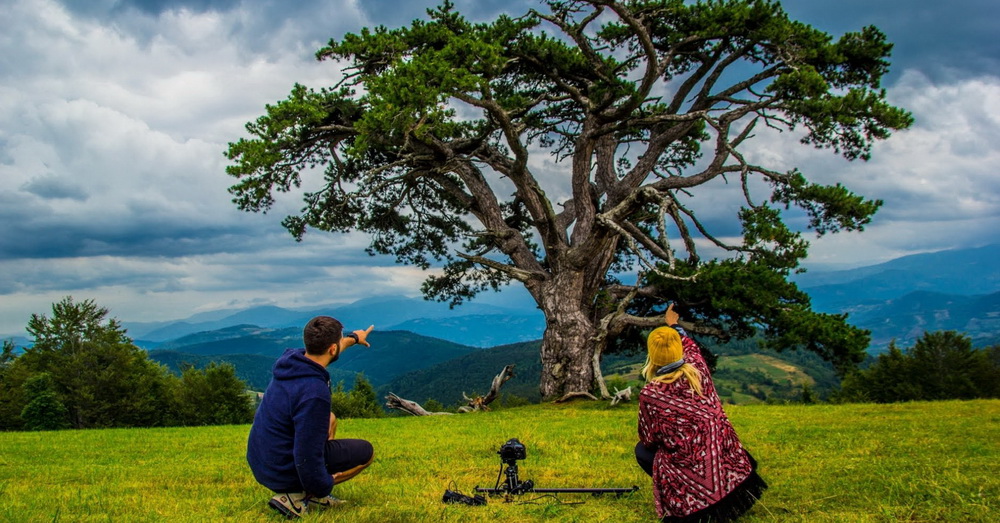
x: 700, y: 470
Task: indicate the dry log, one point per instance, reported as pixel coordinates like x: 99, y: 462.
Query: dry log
x: 474, y: 404
x: 395, y: 402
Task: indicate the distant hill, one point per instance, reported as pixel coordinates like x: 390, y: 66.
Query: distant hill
x: 903, y: 298
x: 956, y: 272
x: 242, y: 339
x: 254, y: 369
x: 472, y: 324
x: 745, y: 374
x: 472, y: 374
x: 252, y: 351
x: 480, y: 330
x: 907, y: 318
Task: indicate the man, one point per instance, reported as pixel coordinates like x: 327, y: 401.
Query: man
x: 291, y: 449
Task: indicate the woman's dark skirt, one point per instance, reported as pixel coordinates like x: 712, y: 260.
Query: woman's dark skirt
x: 734, y: 505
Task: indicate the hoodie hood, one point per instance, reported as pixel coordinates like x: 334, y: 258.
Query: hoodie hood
x: 294, y: 364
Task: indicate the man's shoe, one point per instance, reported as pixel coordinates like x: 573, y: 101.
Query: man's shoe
x: 326, y: 501
x: 291, y: 504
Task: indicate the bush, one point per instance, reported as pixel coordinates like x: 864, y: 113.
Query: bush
x: 44, y: 411
x: 212, y: 396
x: 360, y: 402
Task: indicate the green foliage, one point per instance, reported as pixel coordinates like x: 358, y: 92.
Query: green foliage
x: 359, y: 402
x: 11, y: 391
x: 433, y: 405
x: 808, y: 396
x: 44, y: 411
x: 253, y: 369
x: 508, y: 401
x: 941, y: 365
x: 100, y: 376
x: 86, y: 365
x: 212, y: 396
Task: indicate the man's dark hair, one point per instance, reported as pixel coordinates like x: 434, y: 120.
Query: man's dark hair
x: 320, y: 333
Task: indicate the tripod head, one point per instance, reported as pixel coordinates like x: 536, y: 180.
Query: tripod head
x: 511, y: 451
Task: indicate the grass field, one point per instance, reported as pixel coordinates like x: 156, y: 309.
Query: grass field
x: 904, y: 462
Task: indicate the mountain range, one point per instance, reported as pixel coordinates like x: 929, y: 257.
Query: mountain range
x: 896, y: 300
x: 424, y: 348
x: 473, y: 324
x: 899, y: 299
x: 252, y: 351
x: 905, y: 297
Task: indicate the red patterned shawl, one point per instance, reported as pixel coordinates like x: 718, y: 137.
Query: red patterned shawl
x: 699, y: 458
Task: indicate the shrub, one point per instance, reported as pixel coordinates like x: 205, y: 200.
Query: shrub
x: 360, y: 402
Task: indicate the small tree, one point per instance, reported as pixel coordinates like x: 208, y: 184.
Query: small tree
x: 808, y: 397
x: 360, y: 402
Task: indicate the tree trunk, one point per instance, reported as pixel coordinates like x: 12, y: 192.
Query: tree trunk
x: 567, y: 346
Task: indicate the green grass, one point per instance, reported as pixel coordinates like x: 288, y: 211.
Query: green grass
x: 903, y: 462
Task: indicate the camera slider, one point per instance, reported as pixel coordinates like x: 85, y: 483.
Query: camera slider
x: 512, y: 451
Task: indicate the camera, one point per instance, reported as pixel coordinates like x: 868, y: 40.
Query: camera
x: 512, y: 451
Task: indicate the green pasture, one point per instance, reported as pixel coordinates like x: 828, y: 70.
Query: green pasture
x: 902, y: 462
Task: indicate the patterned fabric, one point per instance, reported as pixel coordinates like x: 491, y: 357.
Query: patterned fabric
x: 699, y: 459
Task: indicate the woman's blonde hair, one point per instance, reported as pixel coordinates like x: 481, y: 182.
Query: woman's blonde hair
x: 663, y: 348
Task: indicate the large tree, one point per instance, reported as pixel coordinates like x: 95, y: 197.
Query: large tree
x: 562, y: 148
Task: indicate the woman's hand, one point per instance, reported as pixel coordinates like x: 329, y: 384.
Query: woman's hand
x: 671, y: 316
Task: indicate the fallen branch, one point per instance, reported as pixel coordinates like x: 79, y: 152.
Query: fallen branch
x: 473, y: 404
x: 395, y: 402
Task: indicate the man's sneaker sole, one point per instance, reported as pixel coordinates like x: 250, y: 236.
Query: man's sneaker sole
x: 285, y: 510
x: 326, y: 502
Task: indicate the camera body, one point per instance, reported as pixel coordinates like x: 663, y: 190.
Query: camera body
x: 512, y: 450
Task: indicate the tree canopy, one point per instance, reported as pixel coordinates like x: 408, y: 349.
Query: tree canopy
x: 941, y: 365
x: 564, y: 149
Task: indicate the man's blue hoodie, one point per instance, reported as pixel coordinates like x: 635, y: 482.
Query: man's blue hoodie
x: 289, y: 433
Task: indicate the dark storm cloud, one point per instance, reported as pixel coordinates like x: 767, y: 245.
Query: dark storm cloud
x: 262, y: 27
x: 158, y: 6
x: 943, y: 39
x: 103, y: 7
x: 50, y: 187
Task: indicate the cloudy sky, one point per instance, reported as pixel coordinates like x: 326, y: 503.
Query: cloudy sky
x: 114, y: 116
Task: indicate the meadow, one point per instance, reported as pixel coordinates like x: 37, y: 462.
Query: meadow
x: 900, y: 462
